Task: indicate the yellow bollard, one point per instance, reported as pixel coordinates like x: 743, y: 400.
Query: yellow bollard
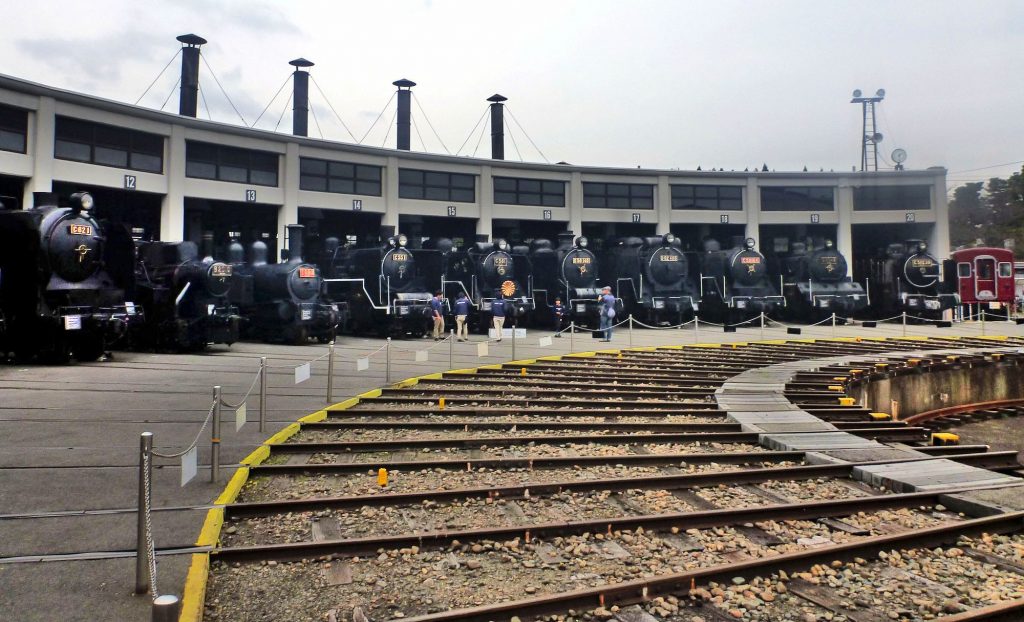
x: 847, y: 401
x: 945, y: 438
x: 522, y: 371
x: 440, y: 403
x: 382, y: 477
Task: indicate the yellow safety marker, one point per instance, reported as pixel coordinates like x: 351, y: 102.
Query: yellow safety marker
x: 880, y: 416
x: 945, y: 438
x: 913, y: 362
x: 835, y: 387
x: 839, y: 378
x: 847, y: 401
x: 382, y: 477
x: 997, y: 356
x: 522, y: 371
x: 953, y: 358
x: 440, y: 403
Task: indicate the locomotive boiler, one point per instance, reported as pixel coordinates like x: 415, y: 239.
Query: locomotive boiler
x: 381, y: 286
x: 185, y: 297
x: 569, y: 272
x: 734, y: 283
x: 816, y: 284
x: 652, y: 277
x: 283, y: 301
x: 63, y: 278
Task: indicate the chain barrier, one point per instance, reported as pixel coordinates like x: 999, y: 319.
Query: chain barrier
x: 672, y: 327
x: 147, y: 503
x: 195, y: 441
x: 247, y: 393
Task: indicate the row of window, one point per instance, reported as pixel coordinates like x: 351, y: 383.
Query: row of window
x: 107, y: 145
x: 13, y: 129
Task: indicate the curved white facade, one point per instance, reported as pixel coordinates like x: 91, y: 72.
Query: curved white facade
x: 39, y: 169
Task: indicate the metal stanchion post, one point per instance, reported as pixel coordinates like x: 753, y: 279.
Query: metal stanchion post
x: 904, y: 314
x: 215, y: 437
x: 451, y: 350
x: 631, y: 330
x: 387, y: 361
x: 145, y: 472
x: 572, y: 335
x: 263, y: 393
x: 696, y: 329
x: 330, y: 372
x: 513, y: 342
x: 833, y: 323
x: 762, y: 326
x: 982, y: 313
x: 166, y: 608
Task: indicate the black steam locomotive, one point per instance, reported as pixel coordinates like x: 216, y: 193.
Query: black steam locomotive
x: 486, y: 271
x: 185, y: 297
x: 283, y: 301
x: 652, y: 277
x: 63, y: 278
x: 568, y: 272
x: 735, y: 284
x: 910, y: 280
x: 816, y: 284
x: 381, y: 286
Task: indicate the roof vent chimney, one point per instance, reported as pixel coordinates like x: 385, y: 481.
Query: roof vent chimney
x: 404, y: 111
x: 188, y: 103
x: 300, y: 85
x: 497, y: 126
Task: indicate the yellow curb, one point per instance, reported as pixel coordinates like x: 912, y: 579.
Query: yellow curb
x: 194, y: 597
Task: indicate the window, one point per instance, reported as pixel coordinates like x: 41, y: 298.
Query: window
x: 106, y: 145
x: 618, y: 196
x: 520, y: 191
x: 795, y: 199
x: 963, y: 270
x: 435, y: 186
x: 872, y: 198
x: 242, y: 166
x: 1005, y: 270
x: 715, y: 198
x: 13, y: 129
x: 341, y: 177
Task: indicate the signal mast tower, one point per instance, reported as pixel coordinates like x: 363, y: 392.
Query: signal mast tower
x: 870, y: 136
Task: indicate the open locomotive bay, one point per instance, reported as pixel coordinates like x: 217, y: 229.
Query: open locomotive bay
x: 565, y: 489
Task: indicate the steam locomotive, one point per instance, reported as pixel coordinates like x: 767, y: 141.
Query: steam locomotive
x: 381, y: 286
x: 568, y: 272
x: 486, y: 271
x: 63, y: 278
x: 734, y: 283
x: 652, y: 277
x: 816, y: 284
x: 910, y: 280
x: 186, y: 298
x: 283, y: 301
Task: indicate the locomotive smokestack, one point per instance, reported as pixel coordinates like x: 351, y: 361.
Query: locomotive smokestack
x: 404, y: 111
x: 497, y: 126
x: 300, y: 85
x: 295, y: 242
x: 208, y: 245
x: 40, y: 199
x: 188, y: 103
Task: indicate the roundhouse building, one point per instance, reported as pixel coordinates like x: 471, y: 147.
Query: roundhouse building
x: 173, y: 176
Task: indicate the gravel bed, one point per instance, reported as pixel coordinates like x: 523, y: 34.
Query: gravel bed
x: 523, y: 383
x: 401, y: 434
x: 266, y: 488
x: 530, y: 450
x: 821, y: 489
x: 605, y: 404
x: 396, y: 416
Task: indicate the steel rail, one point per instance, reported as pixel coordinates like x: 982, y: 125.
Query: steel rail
x: 939, y: 413
x: 710, y: 412
x: 886, y: 433
x: 703, y: 519
x: 655, y: 427
x: 1007, y: 611
x: 991, y: 460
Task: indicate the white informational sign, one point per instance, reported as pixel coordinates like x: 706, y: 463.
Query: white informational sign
x: 306, y: 314
x: 129, y: 307
x: 302, y: 373
x: 72, y: 322
x: 362, y: 364
x: 210, y: 308
x: 506, y: 333
x: 544, y: 342
x: 421, y: 356
x: 481, y: 348
x: 189, y: 465
x: 240, y: 417
x: 520, y: 333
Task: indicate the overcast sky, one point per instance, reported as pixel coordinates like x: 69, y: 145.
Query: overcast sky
x: 657, y: 84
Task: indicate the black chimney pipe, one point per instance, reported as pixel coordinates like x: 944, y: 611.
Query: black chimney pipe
x: 207, y: 246
x: 497, y: 126
x: 295, y: 242
x: 300, y: 113
x: 404, y: 111
x: 188, y: 103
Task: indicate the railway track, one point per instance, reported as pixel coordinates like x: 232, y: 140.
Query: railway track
x: 615, y: 487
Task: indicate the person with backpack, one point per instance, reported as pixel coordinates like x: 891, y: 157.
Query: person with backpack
x: 607, y: 311
x: 498, y: 314
x: 461, y: 313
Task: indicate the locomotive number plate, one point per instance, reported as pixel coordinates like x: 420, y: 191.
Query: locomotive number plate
x: 399, y: 257
x: 307, y: 273
x: 750, y: 260
x: 581, y: 261
x: 670, y: 258
x: 921, y: 263
x: 220, y: 269
x: 80, y: 229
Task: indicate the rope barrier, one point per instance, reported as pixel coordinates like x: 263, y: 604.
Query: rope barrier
x: 195, y: 441
x: 247, y: 393
x: 673, y: 327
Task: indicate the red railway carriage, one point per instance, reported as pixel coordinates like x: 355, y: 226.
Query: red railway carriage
x: 984, y: 275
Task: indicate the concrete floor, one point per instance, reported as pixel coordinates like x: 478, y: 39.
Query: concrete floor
x: 69, y: 441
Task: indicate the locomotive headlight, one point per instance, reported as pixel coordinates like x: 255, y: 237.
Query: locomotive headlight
x: 750, y: 243
x: 82, y: 201
x: 402, y: 240
x: 669, y: 238
x: 502, y: 245
x: 581, y: 242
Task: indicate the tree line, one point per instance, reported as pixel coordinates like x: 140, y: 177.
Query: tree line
x: 988, y: 213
